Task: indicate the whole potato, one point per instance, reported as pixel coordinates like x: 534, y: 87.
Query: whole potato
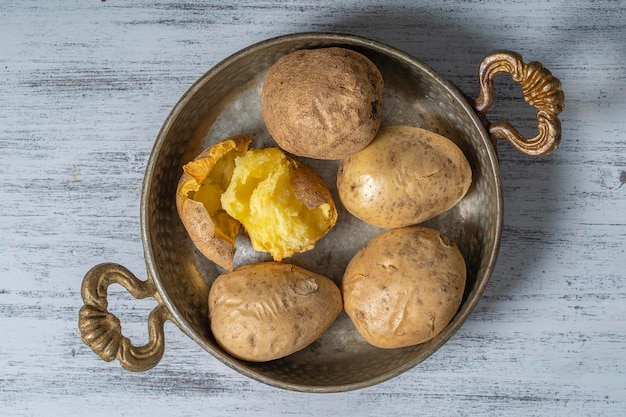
x: 404, y: 286
x: 265, y: 311
x: 322, y: 103
x: 405, y: 176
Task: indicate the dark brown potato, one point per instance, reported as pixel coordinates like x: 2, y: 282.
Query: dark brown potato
x: 323, y: 103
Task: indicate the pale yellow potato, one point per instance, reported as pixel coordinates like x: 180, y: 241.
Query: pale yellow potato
x: 404, y: 286
x: 405, y: 176
x: 265, y: 311
x: 322, y: 103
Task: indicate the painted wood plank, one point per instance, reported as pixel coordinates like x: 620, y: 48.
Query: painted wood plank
x: 84, y: 89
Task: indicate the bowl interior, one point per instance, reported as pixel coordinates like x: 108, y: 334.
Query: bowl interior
x: 226, y: 102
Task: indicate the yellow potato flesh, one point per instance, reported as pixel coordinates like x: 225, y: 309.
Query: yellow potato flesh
x: 261, y: 196
x: 209, y: 192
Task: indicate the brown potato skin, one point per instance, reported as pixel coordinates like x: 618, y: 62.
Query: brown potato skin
x: 265, y: 311
x: 201, y: 230
x: 323, y: 103
x: 310, y: 188
x: 405, y: 176
x: 404, y: 286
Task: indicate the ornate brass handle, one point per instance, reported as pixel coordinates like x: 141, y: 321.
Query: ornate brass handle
x: 539, y: 88
x: 102, y: 331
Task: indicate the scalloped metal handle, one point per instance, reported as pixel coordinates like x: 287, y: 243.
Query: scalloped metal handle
x: 102, y: 331
x: 539, y: 88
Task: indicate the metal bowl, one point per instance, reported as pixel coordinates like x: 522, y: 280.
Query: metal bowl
x: 226, y: 102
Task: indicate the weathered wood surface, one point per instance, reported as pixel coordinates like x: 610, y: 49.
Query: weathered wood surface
x: 84, y: 88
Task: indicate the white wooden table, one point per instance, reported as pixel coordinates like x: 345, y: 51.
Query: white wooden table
x: 84, y: 88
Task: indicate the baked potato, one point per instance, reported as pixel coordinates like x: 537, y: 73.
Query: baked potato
x: 322, y: 103
x: 204, y: 180
x: 404, y: 286
x: 282, y: 204
x: 265, y: 311
x: 405, y: 176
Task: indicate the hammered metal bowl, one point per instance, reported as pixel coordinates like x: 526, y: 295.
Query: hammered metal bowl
x: 226, y: 102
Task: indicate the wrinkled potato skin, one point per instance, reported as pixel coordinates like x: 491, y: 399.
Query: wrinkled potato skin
x: 265, y: 311
x: 405, y: 176
x: 404, y: 286
x: 322, y: 103
x: 310, y: 188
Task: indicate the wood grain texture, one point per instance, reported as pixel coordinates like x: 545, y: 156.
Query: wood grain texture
x: 84, y: 89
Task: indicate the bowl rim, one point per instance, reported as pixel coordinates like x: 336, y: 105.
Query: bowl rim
x: 331, y: 38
